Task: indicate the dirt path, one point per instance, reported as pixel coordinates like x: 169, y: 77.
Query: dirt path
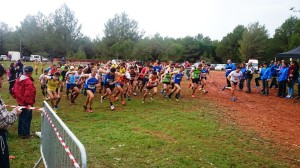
x: 273, y: 118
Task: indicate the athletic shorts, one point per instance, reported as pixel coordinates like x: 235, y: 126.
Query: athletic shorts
x: 131, y: 82
x: 150, y: 87
x: 141, y: 79
x: 111, y: 87
x: 70, y: 86
x: 145, y: 80
x: 119, y: 84
x: 167, y: 83
x: 93, y: 90
x: 43, y: 86
x: 197, y: 80
x: 235, y: 83
x: 203, y: 77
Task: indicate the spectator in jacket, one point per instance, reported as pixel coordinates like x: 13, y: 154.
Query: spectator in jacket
x: 243, y: 70
x: 2, y: 72
x: 6, y: 120
x: 274, y: 68
x: 19, y: 67
x: 248, y: 76
x: 12, y: 76
x: 292, y: 78
x: 265, y: 77
x: 298, y: 84
x: 282, y: 80
x: 24, y: 92
x: 228, y: 69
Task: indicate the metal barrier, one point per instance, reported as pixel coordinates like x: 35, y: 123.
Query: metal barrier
x: 59, y: 146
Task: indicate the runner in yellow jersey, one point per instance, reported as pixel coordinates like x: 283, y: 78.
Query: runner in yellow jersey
x: 36, y: 66
x: 53, y: 89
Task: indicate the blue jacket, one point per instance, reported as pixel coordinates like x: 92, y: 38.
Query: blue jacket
x: 244, y: 70
x: 283, y: 74
x: 274, y: 69
x: 229, y: 68
x: 265, y: 73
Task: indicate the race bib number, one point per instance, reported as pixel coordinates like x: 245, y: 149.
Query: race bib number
x: 91, y: 86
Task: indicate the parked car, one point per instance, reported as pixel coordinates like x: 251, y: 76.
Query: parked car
x: 213, y: 66
x: 44, y: 59
x: 3, y: 58
x: 220, y: 67
x: 35, y: 58
x: 25, y: 58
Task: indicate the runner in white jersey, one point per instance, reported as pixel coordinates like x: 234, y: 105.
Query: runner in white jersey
x: 72, y: 78
x: 234, y: 77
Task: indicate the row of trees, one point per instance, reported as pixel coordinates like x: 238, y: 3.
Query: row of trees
x: 59, y: 34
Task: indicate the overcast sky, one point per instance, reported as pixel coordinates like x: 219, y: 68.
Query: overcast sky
x: 173, y: 18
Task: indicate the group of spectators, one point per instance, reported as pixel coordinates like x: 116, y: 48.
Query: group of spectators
x: 279, y: 75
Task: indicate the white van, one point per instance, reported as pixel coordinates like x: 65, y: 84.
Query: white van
x: 35, y: 58
x: 3, y: 58
x: 254, y: 63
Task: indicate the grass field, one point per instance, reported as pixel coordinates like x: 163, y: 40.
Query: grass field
x: 159, y: 133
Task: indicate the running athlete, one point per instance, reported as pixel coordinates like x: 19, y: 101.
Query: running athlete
x: 73, y: 83
x: 121, y: 80
x: 109, y: 85
x: 151, y: 84
x: 146, y: 72
x: 36, y: 67
x: 43, y: 84
x: 53, y: 89
x: 203, y: 74
x: 178, y: 75
x: 234, y: 78
x: 92, y: 81
x: 166, y: 80
x: 132, y: 82
x: 195, y: 73
x: 141, y: 76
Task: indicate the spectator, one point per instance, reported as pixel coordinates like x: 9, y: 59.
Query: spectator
x: 229, y: 68
x: 243, y: 70
x: 6, y: 120
x: 2, y: 72
x: 282, y: 80
x: 265, y: 77
x: 292, y: 78
x: 257, y: 79
x: 12, y: 76
x: 298, y: 85
x: 19, y: 67
x: 274, y: 68
x: 248, y: 76
x: 24, y: 92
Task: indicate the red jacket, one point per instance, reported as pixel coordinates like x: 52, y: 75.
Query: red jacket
x: 24, y: 90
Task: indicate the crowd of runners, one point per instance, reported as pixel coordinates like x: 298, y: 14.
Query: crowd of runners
x: 117, y: 80
x: 124, y: 80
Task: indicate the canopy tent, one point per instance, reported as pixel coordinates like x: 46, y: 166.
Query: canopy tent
x: 295, y: 53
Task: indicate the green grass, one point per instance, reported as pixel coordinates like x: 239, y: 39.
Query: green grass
x: 161, y: 133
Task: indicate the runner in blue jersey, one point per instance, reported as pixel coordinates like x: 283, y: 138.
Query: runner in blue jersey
x: 109, y: 85
x: 177, y: 77
x: 203, y: 77
x: 92, y: 81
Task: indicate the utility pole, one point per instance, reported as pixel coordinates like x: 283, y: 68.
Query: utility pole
x: 20, y: 46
